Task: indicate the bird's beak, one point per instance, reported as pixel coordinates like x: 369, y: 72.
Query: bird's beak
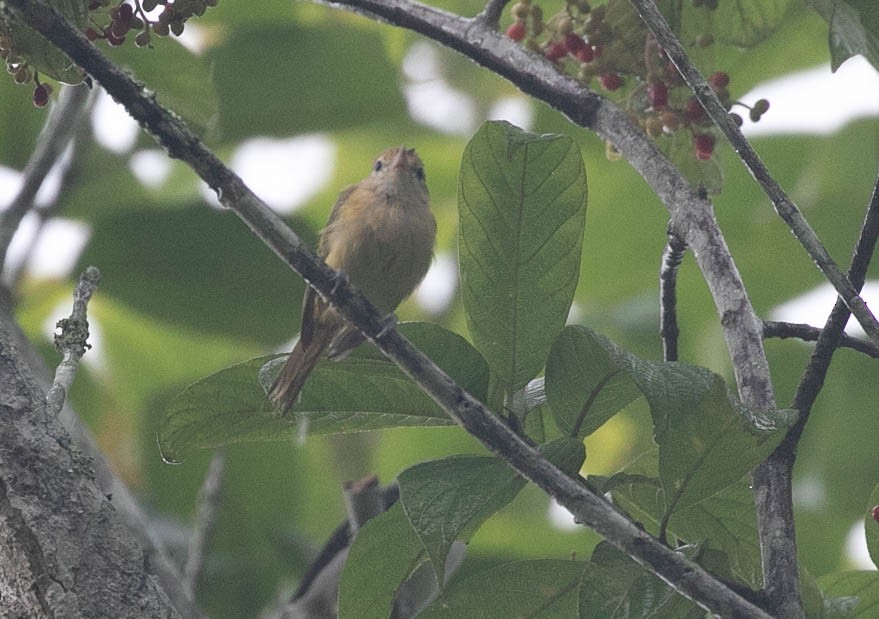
x: 399, y: 161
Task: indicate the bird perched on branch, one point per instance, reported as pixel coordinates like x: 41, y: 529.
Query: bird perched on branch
x: 380, y: 235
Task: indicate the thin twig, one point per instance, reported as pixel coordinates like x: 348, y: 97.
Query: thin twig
x: 672, y: 256
x: 808, y: 333
x: 783, y: 205
x: 72, y: 341
x: 685, y: 576
x: 205, y: 518
x: 773, y: 479
x: 57, y: 133
x: 832, y: 333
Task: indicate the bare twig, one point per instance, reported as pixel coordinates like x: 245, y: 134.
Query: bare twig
x: 72, y: 341
x: 57, y: 133
x: 832, y: 333
x: 204, y: 521
x: 773, y: 478
x: 783, y: 205
x: 672, y: 256
x: 808, y: 333
x: 684, y: 576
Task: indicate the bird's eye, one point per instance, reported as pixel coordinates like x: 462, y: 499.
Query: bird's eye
x: 419, y: 173
x: 378, y: 165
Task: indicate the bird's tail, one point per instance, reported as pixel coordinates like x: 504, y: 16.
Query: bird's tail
x: 285, y: 390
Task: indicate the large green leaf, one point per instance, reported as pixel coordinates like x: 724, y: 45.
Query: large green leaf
x: 587, y: 382
x: 285, y: 78
x: 613, y: 585
x: 725, y: 522
x: 383, y: 554
x: 522, y: 208
x: 449, y: 499
x: 363, y: 392
x: 864, y: 586
x: 743, y: 23
x: 706, y: 441
x: 542, y: 588
x: 854, y: 29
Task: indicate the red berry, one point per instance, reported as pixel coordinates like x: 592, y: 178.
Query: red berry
x: 91, y: 34
x: 693, y: 110
x: 657, y: 94
x: 875, y: 513
x: 585, y: 53
x: 119, y: 28
x: 575, y: 43
x: 610, y: 81
x: 41, y: 96
x: 719, y: 80
x: 113, y: 40
x: 126, y: 12
x: 704, y: 145
x: 516, y: 30
x: 555, y: 51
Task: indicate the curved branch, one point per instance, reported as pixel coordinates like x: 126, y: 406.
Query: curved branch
x: 686, y: 577
x: 692, y: 217
x: 783, y: 205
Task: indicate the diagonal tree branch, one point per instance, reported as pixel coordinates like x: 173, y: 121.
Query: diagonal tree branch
x: 783, y: 205
x: 773, y: 478
x: 686, y: 577
x: 692, y: 218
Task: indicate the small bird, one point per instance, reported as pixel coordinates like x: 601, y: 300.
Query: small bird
x: 380, y: 235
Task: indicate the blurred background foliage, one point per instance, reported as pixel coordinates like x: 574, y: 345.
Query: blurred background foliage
x: 187, y: 290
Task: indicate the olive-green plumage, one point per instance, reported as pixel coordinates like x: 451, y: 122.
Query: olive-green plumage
x: 380, y: 234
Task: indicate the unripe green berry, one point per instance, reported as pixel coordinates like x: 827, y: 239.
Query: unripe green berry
x: 565, y: 26
x: 22, y: 75
x: 653, y: 126
x: 761, y: 106
x: 520, y: 11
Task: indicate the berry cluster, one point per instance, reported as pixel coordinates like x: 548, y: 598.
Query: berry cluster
x: 609, y: 43
x: 126, y: 17
x: 108, y: 21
